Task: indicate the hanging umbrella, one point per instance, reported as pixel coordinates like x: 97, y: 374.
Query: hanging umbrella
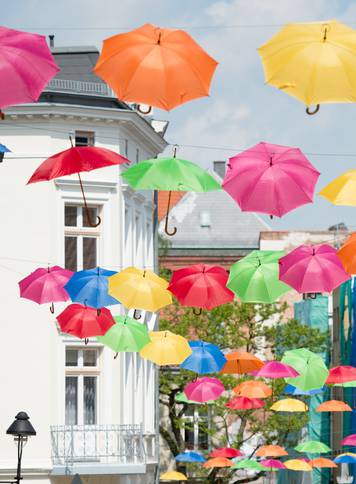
x: 218, y: 462
x: 84, y: 321
x: 270, y: 179
x: 204, y: 389
x: 276, y: 369
x: 347, y: 254
x: 341, y: 374
x: 166, y: 348
x: 249, y: 464
x: 310, y: 366
x: 271, y: 451
x: 190, y: 457
x: 254, y: 278
x: 289, y: 405
x: 333, y: 406
x: 170, y: 174
x: 181, y: 398
x: 302, y: 58
x: 201, y: 286
x: 45, y: 285
x: 241, y: 362
x: 349, y: 440
x: 297, y: 465
x: 125, y: 335
x: 155, y: 66
x: 347, y: 384
x: 347, y: 458
x: 272, y: 464
x: 291, y: 390
x: 311, y: 269
x: 244, y: 403
x: 90, y: 287
x: 312, y: 447
x: 76, y: 160
x: 227, y: 452
x: 140, y: 289
x: 3, y: 149
x: 341, y: 191
x: 322, y: 463
x: 205, y: 358
x: 253, y: 389
x: 173, y: 476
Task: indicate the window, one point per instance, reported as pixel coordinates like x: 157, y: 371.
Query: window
x: 137, y: 155
x: 196, y: 427
x: 84, y: 138
x: 81, y: 241
x: 81, y: 386
x: 205, y: 220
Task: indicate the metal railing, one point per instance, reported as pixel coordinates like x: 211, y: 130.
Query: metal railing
x: 82, y: 87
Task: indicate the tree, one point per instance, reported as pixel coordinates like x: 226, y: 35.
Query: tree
x: 233, y: 326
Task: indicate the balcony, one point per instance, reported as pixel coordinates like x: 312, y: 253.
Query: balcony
x: 101, y: 449
x: 80, y: 87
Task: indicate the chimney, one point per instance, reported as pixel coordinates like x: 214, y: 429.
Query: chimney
x: 220, y: 168
x: 51, y: 40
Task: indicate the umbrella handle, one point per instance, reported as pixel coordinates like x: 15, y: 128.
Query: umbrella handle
x: 197, y: 313
x: 91, y: 223
x: 136, y: 317
x: 316, y: 109
x: 143, y: 111
x: 174, y: 231
x: 98, y: 311
x: 2, y: 115
x: 116, y: 355
x: 86, y: 340
x: 51, y: 308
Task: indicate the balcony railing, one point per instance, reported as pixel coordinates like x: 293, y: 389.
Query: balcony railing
x: 81, y: 87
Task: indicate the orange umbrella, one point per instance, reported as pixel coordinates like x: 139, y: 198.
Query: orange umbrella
x: 334, y: 406
x: 241, y: 362
x: 271, y: 451
x: 156, y: 66
x: 322, y: 462
x: 218, y: 462
x: 253, y: 389
x: 347, y: 254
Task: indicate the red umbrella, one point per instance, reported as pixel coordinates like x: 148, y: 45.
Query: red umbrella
x: 201, y: 286
x: 84, y: 321
x: 76, y: 160
x: 244, y: 403
x: 227, y: 452
x: 341, y: 374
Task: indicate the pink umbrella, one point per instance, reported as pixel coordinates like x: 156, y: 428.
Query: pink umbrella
x: 349, y: 440
x: 204, y: 389
x: 273, y: 464
x: 244, y: 403
x: 277, y: 369
x: 270, y: 179
x: 312, y: 269
x: 26, y: 65
x: 46, y: 285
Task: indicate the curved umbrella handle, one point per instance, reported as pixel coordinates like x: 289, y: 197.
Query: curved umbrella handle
x: 142, y: 111
x: 91, y: 223
x: 308, y: 110
x: 136, y: 317
x: 116, y: 355
x: 51, y: 308
x: 174, y: 231
x: 197, y: 312
x: 86, y: 340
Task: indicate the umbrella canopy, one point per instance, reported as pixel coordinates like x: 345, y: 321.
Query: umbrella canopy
x: 341, y: 374
x: 347, y: 384
x: 140, y: 289
x: 333, y: 406
x: 249, y: 464
x: 291, y: 390
x: 181, y: 398
x: 240, y: 362
x: 312, y: 447
x: 270, y: 179
x: 312, y: 269
x: 349, y: 440
x: 202, y: 286
x: 155, y: 66
x: 253, y: 389
x: 218, y: 462
x: 244, y: 403
x: 190, y: 457
x: 297, y: 465
x: 271, y: 451
x: 3, y: 149
x: 27, y: 66
x: 173, y: 476
x: 289, y: 405
x: 204, y: 389
x: 126, y: 335
x: 254, y: 278
x: 84, y: 321
x: 166, y: 348
x: 227, y: 452
x: 347, y: 458
x: 276, y: 369
x: 341, y: 191
x: 273, y: 464
x: 347, y: 254
x: 205, y: 358
x: 302, y: 57
x: 322, y: 463
x: 90, y: 287
x: 311, y: 367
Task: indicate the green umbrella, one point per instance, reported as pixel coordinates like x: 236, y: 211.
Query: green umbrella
x: 310, y: 366
x: 346, y: 384
x: 182, y: 398
x: 126, y: 335
x: 313, y: 447
x: 173, y: 174
x: 255, y: 277
x: 249, y: 464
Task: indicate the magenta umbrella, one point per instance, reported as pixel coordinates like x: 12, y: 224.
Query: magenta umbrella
x: 46, y: 285
x: 312, y: 268
x: 26, y: 66
x: 273, y: 464
x: 204, y: 389
x: 349, y: 440
x: 270, y: 179
x: 277, y: 369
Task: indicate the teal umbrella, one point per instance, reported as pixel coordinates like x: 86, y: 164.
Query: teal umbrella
x: 310, y: 366
x: 313, y: 447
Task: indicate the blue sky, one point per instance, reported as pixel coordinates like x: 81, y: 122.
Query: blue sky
x: 241, y: 110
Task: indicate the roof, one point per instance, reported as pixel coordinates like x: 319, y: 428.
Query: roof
x: 77, y: 63
x: 163, y: 202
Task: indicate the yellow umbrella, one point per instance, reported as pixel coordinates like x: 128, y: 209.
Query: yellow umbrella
x: 297, y: 465
x: 166, y: 348
x: 314, y: 62
x: 342, y: 190
x: 140, y: 289
x: 289, y: 405
x: 173, y: 476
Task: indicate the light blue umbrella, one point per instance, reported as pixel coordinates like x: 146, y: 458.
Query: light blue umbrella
x: 205, y: 358
x: 190, y: 457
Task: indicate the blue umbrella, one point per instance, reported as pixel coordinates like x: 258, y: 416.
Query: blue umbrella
x: 291, y: 390
x: 90, y: 287
x: 205, y: 358
x: 3, y: 149
x: 345, y: 459
x: 190, y: 457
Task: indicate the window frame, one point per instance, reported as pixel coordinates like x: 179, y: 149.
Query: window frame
x: 90, y: 135
x: 194, y: 421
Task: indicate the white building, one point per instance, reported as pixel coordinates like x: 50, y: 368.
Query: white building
x: 94, y: 415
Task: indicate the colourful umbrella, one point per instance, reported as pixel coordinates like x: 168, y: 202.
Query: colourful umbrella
x: 190, y: 457
x: 271, y: 451
x: 312, y: 447
x: 276, y: 369
x: 173, y: 476
x: 297, y: 465
x: 341, y: 191
x: 273, y: 464
x: 126, y: 335
x: 204, y: 389
x: 241, y: 362
x: 349, y: 440
x: 166, y: 348
x: 159, y: 67
x: 181, y: 398
x: 201, y: 286
x: 227, y: 452
x: 172, y: 174
x: 90, y: 287
x: 289, y: 405
x: 341, y: 374
x: 333, y: 406
x: 347, y: 254
x: 321, y: 462
x: 312, y: 269
x: 244, y: 403
x: 27, y: 66
x: 270, y: 179
x: 140, y: 289
x: 205, y: 358
x: 45, y: 285
x: 254, y: 278
x: 3, y: 149
x: 347, y: 458
x: 347, y: 384
x: 249, y: 464
x: 84, y: 321
x: 253, y: 389
x: 218, y: 462
x: 310, y: 366
x: 291, y: 390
